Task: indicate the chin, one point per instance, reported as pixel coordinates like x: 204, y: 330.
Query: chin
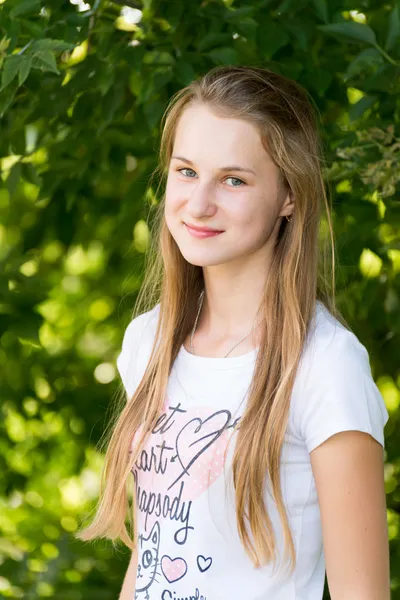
x: 200, y: 259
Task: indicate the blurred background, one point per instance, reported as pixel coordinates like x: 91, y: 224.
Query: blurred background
x: 83, y: 88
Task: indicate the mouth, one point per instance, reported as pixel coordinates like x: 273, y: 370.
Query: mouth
x: 204, y: 229
x: 202, y: 232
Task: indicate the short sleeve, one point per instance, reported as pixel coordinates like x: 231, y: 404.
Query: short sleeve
x: 135, y: 345
x: 340, y: 394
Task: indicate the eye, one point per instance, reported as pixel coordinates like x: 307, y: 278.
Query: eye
x: 237, y: 180
x: 185, y: 169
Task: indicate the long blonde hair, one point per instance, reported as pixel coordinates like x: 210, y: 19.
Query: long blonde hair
x: 302, y: 272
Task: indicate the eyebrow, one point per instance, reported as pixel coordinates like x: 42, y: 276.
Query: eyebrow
x: 228, y: 168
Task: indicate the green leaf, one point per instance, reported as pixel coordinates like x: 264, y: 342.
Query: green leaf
x: 30, y: 174
x: 10, y: 70
x: 24, y: 68
x: 238, y: 13
x: 34, y: 29
x: 358, y: 109
x: 381, y: 80
x: 394, y: 29
x: 106, y: 80
x: 351, y: 30
x: 318, y: 79
x: 136, y: 83
x: 224, y: 55
x: 247, y: 28
x: 273, y: 39
x: 291, y: 68
x: 24, y: 7
x: 26, y: 328
x: 53, y: 45
x: 157, y: 80
x: 45, y: 60
x: 13, y: 178
x: 156, y: 57
x: 213, y: 40
x: 4, y: 44
x: 367, y: 60
x: 153, y: 112
x: 321, y: 8
x: 289, y: 6
x: 112, y: 102
x: 184, y: 72
x: 7, y: 97
x: 302, y: 30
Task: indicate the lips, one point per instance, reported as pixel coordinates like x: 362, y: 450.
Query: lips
x: 202, y: 233
x: 203, y: 229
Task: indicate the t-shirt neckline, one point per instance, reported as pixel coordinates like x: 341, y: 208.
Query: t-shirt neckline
x: 193, y: 360
x: 217, y: 362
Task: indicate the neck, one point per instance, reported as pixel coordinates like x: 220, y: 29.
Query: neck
x: 229, y: 309
x: 243, y: 338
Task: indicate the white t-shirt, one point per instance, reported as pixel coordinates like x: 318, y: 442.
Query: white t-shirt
x: 189, y: 547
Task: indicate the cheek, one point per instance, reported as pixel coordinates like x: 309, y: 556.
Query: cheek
x: 172, y: 197
x: 253, y: 213
x: 253, y: 221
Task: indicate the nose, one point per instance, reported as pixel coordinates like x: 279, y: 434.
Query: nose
x: 201, y: 200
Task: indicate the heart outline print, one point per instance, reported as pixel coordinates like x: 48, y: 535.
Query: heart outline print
x: 197, y: 425
x: 204, y: 563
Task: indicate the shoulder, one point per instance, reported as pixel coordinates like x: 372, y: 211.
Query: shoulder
x: 334, y: 389
x: 136, y: 347
x: 331, y: 345
x: 141, y: 325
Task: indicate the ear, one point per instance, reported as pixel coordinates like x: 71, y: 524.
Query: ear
x: 287, y: 206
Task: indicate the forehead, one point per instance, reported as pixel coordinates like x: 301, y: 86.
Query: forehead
x: 202, y: 133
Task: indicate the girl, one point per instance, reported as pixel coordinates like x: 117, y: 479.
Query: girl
x: 253, y: 427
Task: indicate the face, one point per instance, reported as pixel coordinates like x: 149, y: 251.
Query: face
x: 220, y: 177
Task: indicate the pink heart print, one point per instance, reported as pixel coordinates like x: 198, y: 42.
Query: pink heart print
x: 173, y: 568
x: 196, y: 452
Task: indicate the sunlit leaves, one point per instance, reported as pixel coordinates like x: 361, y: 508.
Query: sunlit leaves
x: 390, y: 392
x: 39, y: 55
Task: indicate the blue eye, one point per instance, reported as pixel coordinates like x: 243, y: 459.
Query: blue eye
x: 185, y: 169
x: 241, y: 183
x: 236, y: 179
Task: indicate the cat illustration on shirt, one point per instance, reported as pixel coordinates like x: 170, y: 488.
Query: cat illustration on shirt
x: 148, y: 561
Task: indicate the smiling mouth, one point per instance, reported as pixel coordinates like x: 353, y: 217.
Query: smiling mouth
x: 200, y: 234
x: 203, y: 229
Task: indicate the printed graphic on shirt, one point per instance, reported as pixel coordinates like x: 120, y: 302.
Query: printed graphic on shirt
x: 183, y: 456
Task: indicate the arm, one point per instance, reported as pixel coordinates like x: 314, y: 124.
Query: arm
x: 349, y: 477
x: 128, y: 587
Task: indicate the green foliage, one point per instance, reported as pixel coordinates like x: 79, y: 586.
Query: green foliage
x: 82, y: 91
